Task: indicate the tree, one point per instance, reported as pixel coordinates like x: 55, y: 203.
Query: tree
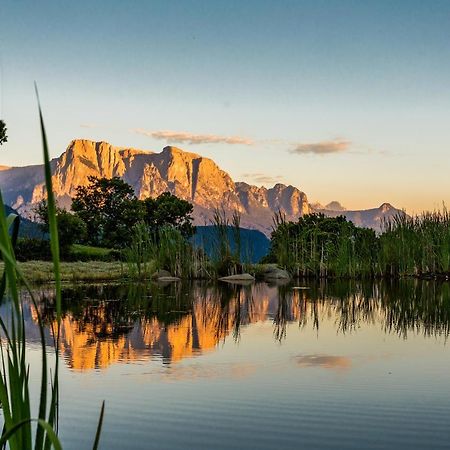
x: 168, y: 209
x: 110, y: 209
x: 71, y: 228
x: 3, y: 130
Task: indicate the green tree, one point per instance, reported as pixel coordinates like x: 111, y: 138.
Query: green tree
x: 71, y: 228
x: 3, y: 136
x: 110, y: 209
x: 168, y: 209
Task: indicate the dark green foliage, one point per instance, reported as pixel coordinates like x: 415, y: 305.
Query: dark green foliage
x: 71, y: 228
x: 168, y: 209
x: 110, y: 209
x: 28, y: 249
x: 3, y: 130
x: 322, y: 246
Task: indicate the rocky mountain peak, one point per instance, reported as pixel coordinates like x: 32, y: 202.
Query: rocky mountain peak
x: 335, y: 206
x: 187, y: 175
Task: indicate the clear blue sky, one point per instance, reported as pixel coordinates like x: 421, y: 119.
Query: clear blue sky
x: 347, y: 100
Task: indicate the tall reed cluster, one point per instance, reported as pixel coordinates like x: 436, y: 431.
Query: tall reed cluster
x: 227, y: 243
x: 417, y: 245
x: 319, y: 246
x: 164, y: 248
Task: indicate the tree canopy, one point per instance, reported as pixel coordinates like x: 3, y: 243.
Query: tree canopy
x: 3, y: 130
x: 71, y: 228
x: 109, y: 208
x: 168, y: 209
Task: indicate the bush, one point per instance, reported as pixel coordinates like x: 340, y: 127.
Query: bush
x: 32, y: 249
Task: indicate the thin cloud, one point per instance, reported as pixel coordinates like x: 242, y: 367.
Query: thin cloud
x: 262, y: 178
x: 174, y: 137
x: 89, y: 125
x: 322, y: 148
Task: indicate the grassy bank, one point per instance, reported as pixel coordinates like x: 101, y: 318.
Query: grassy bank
x: 88, y: 271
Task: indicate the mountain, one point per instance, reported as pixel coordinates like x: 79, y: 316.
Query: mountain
x: 334, y: 206
x: 254, y: 244
x: 187, y: 175
x: 27, y: 228
x: 369, y: 218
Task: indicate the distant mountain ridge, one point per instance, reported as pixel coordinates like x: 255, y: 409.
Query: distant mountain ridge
x: 368, y: 218
x: 187, y: 175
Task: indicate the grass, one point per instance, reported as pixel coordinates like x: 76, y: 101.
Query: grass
x: 18, y: 427
x: 79, y: 252
x: 42, y: 271
x: 418, y: 245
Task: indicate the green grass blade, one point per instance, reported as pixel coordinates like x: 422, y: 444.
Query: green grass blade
x: 41, y: 424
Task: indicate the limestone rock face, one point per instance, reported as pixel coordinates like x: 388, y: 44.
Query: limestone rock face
x: 187, y: 175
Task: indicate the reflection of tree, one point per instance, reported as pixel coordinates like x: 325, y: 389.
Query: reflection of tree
x: 107, y: 323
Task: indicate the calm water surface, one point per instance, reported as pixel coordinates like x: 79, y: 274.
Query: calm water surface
x: 338, y: 365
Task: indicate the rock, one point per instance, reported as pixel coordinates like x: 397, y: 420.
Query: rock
x: 162, y: 274
x: 167, y: 279
x: 275, y: 273
x: 239, y: 277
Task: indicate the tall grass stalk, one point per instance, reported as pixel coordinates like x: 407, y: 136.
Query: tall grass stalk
x: 227, y: 245
x: 17, y: 433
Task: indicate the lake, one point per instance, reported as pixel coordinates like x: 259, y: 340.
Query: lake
x: 309, y: 365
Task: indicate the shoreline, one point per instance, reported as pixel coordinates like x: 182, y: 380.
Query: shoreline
x: 98, y: 271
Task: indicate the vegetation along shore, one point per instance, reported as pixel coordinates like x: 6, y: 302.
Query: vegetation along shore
x: 109, y: 234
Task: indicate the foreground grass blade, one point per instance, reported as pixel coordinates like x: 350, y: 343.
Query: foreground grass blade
x: 42, y: 423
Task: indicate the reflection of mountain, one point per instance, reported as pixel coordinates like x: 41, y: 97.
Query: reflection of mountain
x: 175, y: 323
x: 95, y: 341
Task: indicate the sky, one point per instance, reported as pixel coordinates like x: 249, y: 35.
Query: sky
x: 346, y: 100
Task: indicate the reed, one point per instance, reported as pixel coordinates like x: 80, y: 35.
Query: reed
x: 18, y: 432
x: 227, y: 245
x: 171, y: 251
x: 418, y: 245
x: 319, y: 246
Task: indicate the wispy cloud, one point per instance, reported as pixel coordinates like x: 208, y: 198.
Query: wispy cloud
x: 322, y: 148
x: 89, y: 125
x: 173, y: 137
x: 262, y: 178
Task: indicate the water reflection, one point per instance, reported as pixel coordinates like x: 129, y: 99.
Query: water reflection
x: 105, y: 324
